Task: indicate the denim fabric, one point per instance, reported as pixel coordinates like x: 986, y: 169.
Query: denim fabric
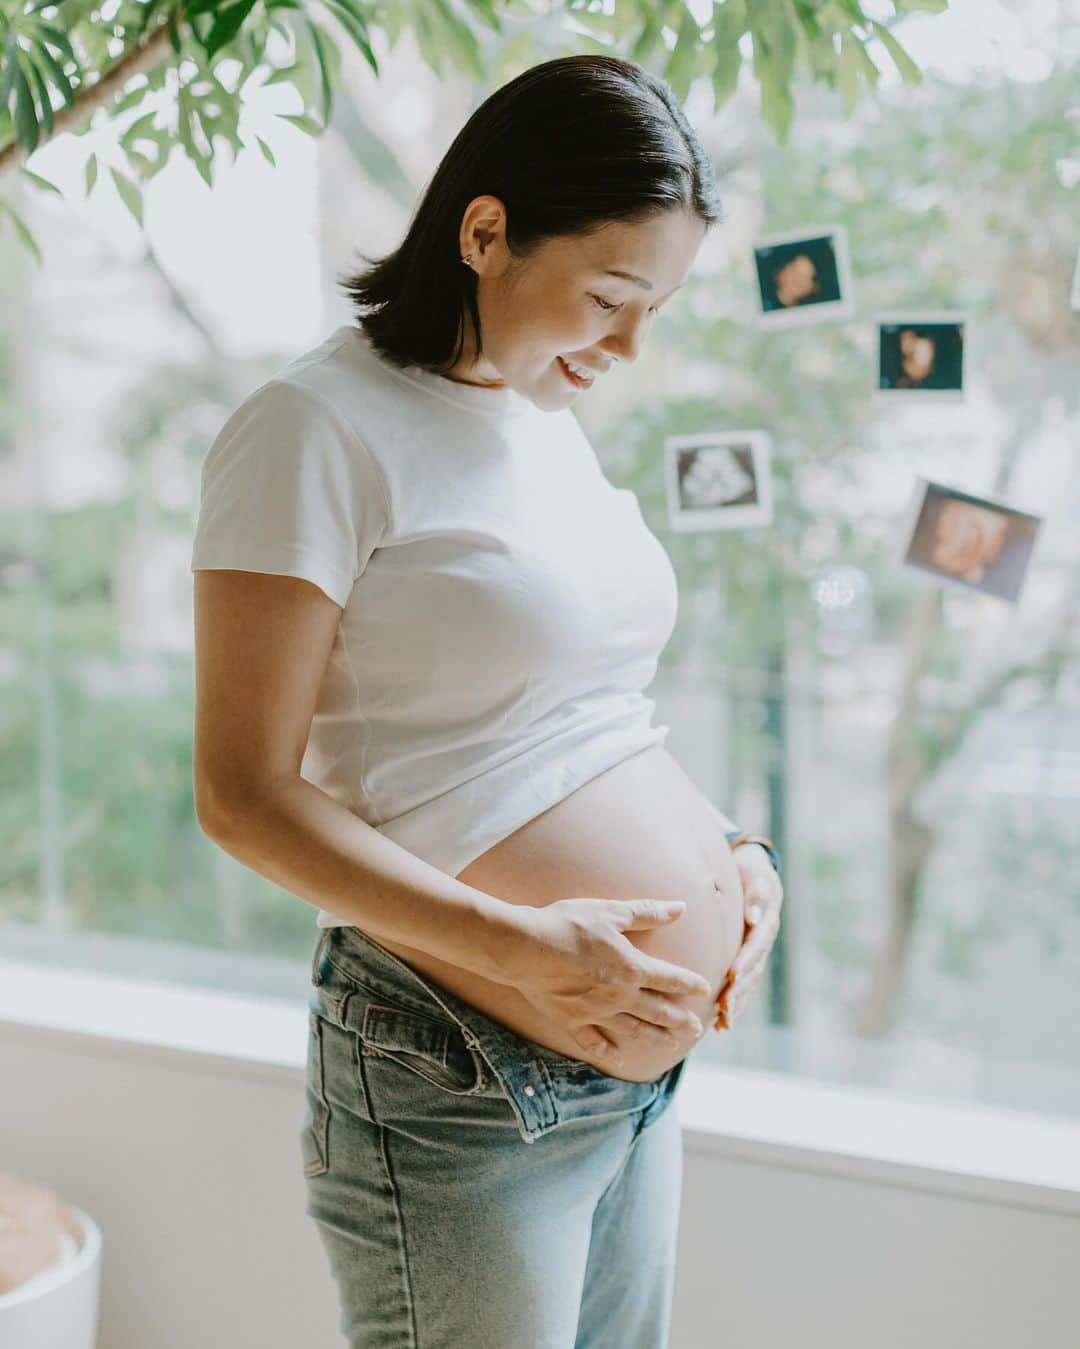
x: 442, y: 1229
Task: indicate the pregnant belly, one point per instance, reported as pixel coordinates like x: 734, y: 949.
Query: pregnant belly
x: 640, y: 830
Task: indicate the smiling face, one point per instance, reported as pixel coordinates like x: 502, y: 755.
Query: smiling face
x: 555, y: 303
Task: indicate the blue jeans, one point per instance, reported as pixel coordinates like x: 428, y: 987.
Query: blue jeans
x: 443, y: 1229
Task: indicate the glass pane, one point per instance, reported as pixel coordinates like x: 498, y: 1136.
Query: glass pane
x: 911, y: 742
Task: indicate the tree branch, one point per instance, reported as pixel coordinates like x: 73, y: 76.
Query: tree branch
x: 143, y: 56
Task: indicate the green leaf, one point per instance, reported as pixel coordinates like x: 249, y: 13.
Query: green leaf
x: 304, y: 122
x: 130, y: 194
x: 355, y: 25
x: 489, y: 13
x: 41, y: 182
x: 226, y: 25
x: 729, y: 24
x: 22, y: 229
x: 683, y: 60
x: 176, y: 40
x: 267, y: 152
x: 91, y: 173
x: 322, y: 44
x: 55, y: 70
x: 147, y: 167
x: 777, y: 106
x: 429, y: 42
x: 650, y: 40
x: 931, y: 6
x: 60, y: 79
x: 129, y: 100
x: 779, y: 29
x: 870, y: 70
x: 26, y: 122
x: 909, y: 71
x: 38, y: 81
x: 137, y: 129
x: 460, y: 39
x: 58, y: 38
x: 10, y: 65
x: 281, y: 75
x: 729, y: 20
x: 849, y: 71
x: 726, y: 67
x: 147, y: 14
x: 805, y: 29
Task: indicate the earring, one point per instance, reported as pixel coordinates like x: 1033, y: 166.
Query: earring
x: 467, y: 259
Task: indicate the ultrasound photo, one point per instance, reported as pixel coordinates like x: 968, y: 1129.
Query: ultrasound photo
x: 718, y: 480
x: 804, y: 276
x: 921, y: 354
x: 971, y: 541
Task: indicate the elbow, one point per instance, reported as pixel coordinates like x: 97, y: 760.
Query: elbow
x: 212, y: 808
x: 221, y: 810
x: 209, y: 818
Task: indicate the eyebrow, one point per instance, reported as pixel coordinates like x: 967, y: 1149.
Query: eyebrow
x: 638, y: 280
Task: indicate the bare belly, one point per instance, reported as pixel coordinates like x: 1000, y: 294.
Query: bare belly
x: 639, y: 830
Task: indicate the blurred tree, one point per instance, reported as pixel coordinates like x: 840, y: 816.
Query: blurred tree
x: 205, y: 51
x: 954, y: 196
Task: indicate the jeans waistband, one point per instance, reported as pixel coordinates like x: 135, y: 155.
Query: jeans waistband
x: 544, y: 1087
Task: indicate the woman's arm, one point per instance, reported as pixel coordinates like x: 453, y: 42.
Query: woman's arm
x: 262, y: 642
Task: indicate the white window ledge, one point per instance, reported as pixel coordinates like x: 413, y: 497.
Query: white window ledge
x: 980, y: 1152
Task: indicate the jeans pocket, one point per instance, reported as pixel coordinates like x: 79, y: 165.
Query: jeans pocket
x: 428, y: 1047
x: 314, y: 1130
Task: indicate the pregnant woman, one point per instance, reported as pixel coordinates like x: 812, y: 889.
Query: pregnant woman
x: 424, y: 620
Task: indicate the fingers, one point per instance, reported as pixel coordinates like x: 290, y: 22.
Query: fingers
x: 646, y: 1031
x: 735, y: 995
x: 598, y: 1045
x: 666, y: 978
x: 755, y: 949
x: 662, y: 1012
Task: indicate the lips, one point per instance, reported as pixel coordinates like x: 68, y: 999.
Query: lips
x: 569, y: 375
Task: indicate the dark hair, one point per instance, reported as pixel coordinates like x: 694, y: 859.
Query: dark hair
x: 568, y: 146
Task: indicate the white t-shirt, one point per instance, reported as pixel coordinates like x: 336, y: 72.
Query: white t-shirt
x: 504, y: 605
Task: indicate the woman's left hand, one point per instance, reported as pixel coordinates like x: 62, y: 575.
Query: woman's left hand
x: 763, y: 896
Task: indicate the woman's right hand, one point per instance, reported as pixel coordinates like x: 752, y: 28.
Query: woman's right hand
x: 570, y: 960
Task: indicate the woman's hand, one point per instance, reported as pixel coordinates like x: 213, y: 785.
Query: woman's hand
x: 763, y: 896
x: 571, y: 960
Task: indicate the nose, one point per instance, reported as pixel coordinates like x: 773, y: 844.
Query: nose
x: 626, y: 341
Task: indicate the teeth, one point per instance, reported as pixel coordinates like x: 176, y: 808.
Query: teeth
x: 577, y: 370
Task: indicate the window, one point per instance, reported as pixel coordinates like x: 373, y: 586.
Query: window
x: 913, y: 745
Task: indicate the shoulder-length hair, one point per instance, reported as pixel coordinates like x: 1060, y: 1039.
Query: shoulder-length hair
x: 568, y: 146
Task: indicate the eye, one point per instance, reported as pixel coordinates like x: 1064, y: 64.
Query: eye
x: 604, y: 304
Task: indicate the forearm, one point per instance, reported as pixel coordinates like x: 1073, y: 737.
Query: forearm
x: 300, y: 838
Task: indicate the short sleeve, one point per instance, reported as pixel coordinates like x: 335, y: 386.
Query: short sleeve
x: 287, y: 487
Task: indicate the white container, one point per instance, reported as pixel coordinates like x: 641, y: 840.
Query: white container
x: 58, y: 1307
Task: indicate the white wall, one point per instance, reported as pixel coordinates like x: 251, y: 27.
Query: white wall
x: 192, y: 1170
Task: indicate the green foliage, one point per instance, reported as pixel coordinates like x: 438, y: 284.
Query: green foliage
x: 65, y: 55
